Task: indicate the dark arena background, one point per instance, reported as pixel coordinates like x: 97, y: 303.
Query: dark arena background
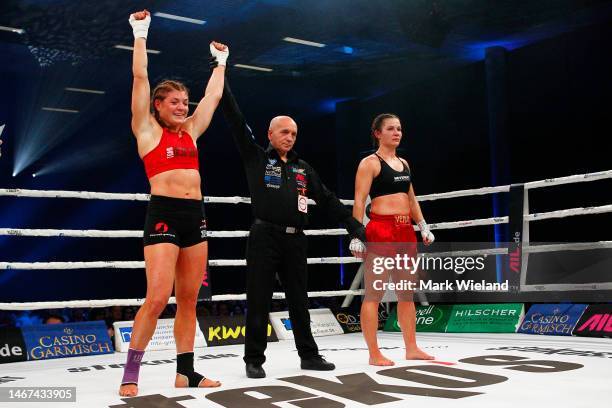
x: 489, y: 93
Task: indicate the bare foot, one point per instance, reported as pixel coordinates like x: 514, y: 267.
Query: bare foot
x: 417, y: 354
x: 182, y: 382
x: 128, y: 390
x: 380, y: 360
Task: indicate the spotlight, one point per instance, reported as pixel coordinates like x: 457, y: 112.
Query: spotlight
x: 33, y: 174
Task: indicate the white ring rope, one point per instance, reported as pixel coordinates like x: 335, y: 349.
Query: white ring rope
x: 311, y: 261
x: 227, y: 234
x: 530, y: 249
x: 574, y: 246
x: 577, y: 178
x: 91, y: 195
x: 322, y: 232
x: 280, y: 295
x: 141, y: 265
x: 24, y: 232
x: 139, y: 302
x: 569, y: 212
x: 464, y: 193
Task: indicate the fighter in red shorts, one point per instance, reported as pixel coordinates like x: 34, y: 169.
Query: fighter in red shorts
x: 387, y: 179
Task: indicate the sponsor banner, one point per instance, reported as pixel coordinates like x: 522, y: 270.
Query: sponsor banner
x: 557, y: 320
x: 348, y: 319
x: 12, y: 346
x: 392, y: 325
x: 66, y: 340
x: 166, y: 361
x: 322, y: 323
x: 432, y: 318
x: 383, y: 316
x: 350, y: 322
x: 491, y: 318
x: 514, y: 260
x: 596, y: 321
x: 163, y: 337
x: 221, y: 331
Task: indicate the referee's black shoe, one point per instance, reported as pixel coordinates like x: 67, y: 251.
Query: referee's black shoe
x: 317, y: 363
x: 255, y: 371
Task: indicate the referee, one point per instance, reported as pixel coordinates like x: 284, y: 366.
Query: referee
x: 280, y: 184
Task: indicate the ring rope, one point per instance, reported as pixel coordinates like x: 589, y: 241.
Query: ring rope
x: 138, y: 234
x: 139, y: 302
x: 531, y: 249
x: 280, y: 295
x: 91, y: 195
x: 141, y: 264
x: 237, y: 200
x: 322, y: 232
x: 577, y: 178
x: 569, y: 212
x: 311, y: 261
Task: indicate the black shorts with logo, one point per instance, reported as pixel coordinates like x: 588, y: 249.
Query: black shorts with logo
x: 177, y: 221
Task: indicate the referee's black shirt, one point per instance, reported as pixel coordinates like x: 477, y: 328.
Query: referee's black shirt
x: 274, y: 184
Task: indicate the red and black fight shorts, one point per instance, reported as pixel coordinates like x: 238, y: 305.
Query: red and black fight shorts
x: 177, y: 221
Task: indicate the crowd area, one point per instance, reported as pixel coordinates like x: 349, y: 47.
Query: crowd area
x: 127, y: 313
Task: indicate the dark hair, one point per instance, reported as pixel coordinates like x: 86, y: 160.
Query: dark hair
x: 377, y: 124
x: 161, y: 91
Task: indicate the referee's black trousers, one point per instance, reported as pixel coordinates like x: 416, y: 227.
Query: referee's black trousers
x: 271, y: 251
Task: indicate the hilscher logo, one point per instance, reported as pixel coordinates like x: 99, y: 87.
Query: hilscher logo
x: 161, y: 227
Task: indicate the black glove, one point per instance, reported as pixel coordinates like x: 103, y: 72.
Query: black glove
x: 213, y: 63
x: 355, y: 229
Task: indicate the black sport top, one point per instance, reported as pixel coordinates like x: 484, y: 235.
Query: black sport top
x: 390, y: 181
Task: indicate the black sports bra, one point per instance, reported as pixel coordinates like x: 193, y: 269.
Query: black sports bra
x: 390, y: 181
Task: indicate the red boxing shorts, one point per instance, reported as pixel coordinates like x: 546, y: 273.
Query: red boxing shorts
x: 390, y: 228
x: 391, y: 249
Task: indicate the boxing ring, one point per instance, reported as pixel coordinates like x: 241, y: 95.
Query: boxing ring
x: 500, y: 370
x: 586, y: 384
